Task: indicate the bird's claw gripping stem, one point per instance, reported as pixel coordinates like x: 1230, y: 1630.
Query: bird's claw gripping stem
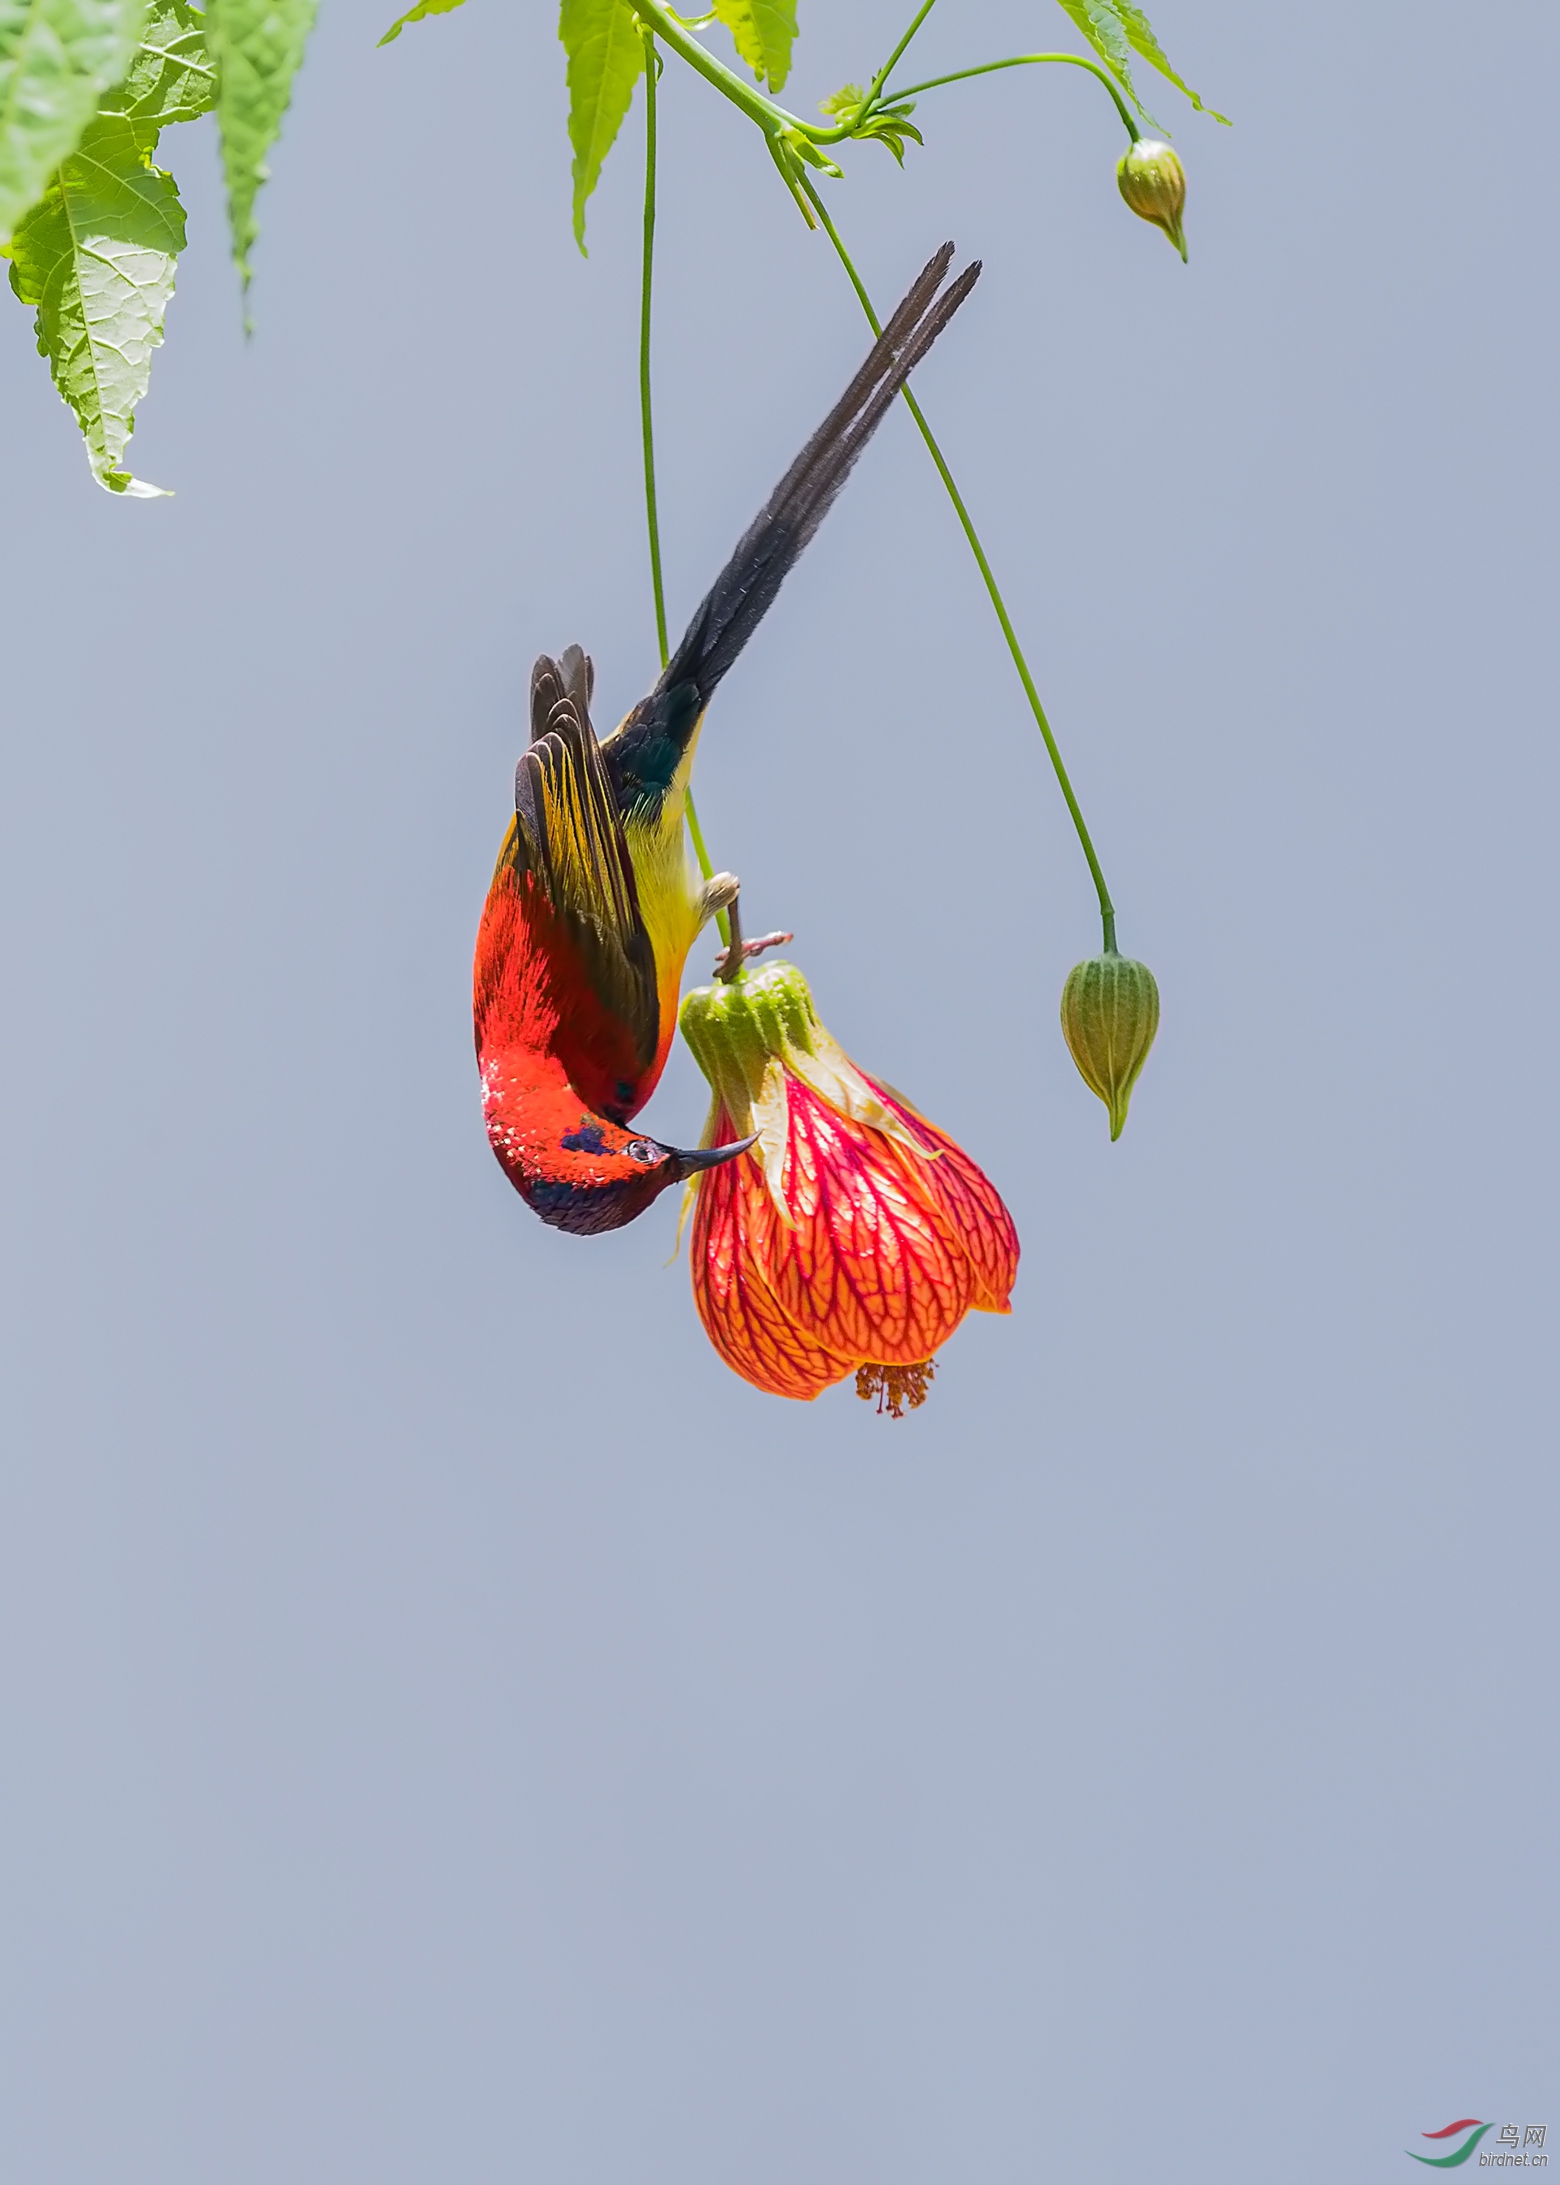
x: 731, y: 960
x: 749, y: 948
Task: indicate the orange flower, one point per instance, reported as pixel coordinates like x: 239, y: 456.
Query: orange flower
x: 855, y: 1236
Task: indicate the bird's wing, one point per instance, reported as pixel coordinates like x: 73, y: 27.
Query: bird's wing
x: 571, y: 840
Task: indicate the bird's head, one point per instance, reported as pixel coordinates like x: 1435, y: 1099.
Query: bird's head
x: 579, y: 1171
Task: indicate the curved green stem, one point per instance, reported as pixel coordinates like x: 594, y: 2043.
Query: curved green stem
x: 778, y: 121
x: 647, y: 423
x: 1107, y: 908
x: 770, y: 117
x: 1023, y: 60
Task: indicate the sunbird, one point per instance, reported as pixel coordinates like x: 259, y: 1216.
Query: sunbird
x: 595, y: 900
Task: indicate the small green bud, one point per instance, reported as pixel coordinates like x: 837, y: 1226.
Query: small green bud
x: 1110, y: 1013
x: 1153, y: 182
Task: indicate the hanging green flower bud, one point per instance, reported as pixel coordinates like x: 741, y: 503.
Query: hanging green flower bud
x: 1153, y: 182
x: 1110, y: 1013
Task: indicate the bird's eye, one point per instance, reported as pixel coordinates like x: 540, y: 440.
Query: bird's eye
x: 640, y: 1149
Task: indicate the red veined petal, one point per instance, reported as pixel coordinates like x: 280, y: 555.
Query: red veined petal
x: 740, y: 1314
x: 868, y: 1268
x: 971, y: 1202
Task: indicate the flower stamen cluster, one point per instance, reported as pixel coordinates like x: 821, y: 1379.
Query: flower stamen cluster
x: 896, y: 1387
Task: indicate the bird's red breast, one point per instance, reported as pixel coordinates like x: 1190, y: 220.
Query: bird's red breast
x: 532, y: 994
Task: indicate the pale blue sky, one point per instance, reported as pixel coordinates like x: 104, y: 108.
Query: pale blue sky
x: 456, y: 1730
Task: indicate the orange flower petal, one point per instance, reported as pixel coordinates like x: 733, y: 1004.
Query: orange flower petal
x: 739, y: 1312
x: 869, y: 1268
x: 971, y: 1203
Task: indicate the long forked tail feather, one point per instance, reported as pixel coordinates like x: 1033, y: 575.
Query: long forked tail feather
x: 745, y: 589
x: 769, y: 549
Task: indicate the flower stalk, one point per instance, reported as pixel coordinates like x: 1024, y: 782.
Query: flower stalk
x: 646, y: 292
x: 988, y: 577
x: 1021, y: 60
x: 647, y: 427
x: 788, y: 132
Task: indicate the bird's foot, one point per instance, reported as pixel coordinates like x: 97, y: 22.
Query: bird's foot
x: 731, y: 958
x: 719, y: 893
x: 726, y: 968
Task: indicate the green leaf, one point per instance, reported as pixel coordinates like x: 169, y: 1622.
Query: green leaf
x: 891, y: 125
x: 172, y: 77
x: 1100, y: 21
x: 1140, y: 32
x: 763, y: 32
x: 257, y: 46
x: 844, y: 101
x: 1118, y: 28
x: 606, y: 60
x: 55, y: 58
x: 96, y: 258
x: 416, y: 14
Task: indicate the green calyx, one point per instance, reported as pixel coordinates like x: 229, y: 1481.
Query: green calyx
x: 1110, y: 1013
x: 736, y: 1031
x: 757, y: 1040
x: 1153, y: 182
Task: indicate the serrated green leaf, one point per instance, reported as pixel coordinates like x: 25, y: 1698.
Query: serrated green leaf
x: 1140, y: 33
x: 416, y: 14
x: 844, y: 101
x: 56, y: 56
x: 763, y: 32
x: 1101, y: 24
x: 172, y: 77
x: 257, y: 46
x: 1100, y: 21
x: 606, y: 60
x: 96, y: 258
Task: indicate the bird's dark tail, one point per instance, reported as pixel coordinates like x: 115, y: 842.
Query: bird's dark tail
x: 644, y: 752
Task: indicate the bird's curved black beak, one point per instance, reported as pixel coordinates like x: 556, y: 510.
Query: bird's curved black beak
x: 690, y: 1161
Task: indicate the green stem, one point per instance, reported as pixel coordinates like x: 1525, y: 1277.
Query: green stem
x: 1023, y: 60
x: 770, y: 117
x: 647, y: 426
x: 774, y: 119
x: 875, y: 90
x: 705, y: 865
x: 646, y: 285
x: 1107, y: 908
x: 788, y: 168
